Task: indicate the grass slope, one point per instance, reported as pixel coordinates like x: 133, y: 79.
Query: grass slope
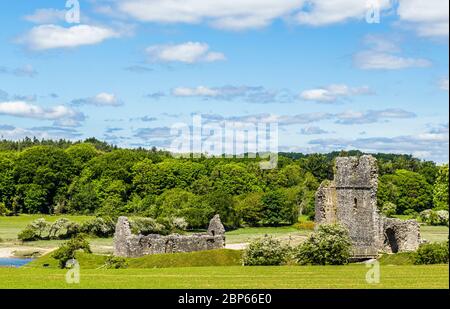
x: 239, y: 277
x: 403, y: 258
x: 220, y: 257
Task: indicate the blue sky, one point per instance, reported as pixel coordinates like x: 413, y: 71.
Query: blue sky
x: 132, y: 68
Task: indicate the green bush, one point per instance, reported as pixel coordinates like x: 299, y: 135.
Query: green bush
x: 38, y: 229
x: 28, y: 234
x: 179, y: 224
x: 115, y: 262
x: 68, y: 249
x: 434, y: 253
x: 431, y: 217
x: 100, y: 227
x: 3, y: 210
x: 266, y: 251
x: 330, y: 245
x: 64, y: 229
x: 42, y: 230
x: 389, y: 209
x: 146, y: 226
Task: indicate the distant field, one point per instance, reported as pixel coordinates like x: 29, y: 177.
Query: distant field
x: 11, y: 226
x: 434, y: 233
x: 244, y: 235
x: 239, y: 277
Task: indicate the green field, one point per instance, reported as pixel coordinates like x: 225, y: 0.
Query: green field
x: 11, y: 226
x: 244, y: 235
x: 434, y: 233
x: 239, y: 277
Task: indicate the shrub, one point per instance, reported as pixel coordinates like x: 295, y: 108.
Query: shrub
x: 434, y: 253
x: 57, y: 228
x: 179, y: 224
x: 115, y: 262
x: 100, y: 227
x: 167, y: 225
x: 146, y: 226
x: 72, y: 229
x: 389, y: 209
x: 41, y: 229
x: 68, y: 249
x: 38, y: 229
x: 265, y: 251
x: 331, y: 245
x: 3, y: 210
x: 306, y: 225
x: 28, y: 234
x: 431, y: 217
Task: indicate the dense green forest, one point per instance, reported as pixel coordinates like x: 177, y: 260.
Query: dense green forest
x: 92, y: 177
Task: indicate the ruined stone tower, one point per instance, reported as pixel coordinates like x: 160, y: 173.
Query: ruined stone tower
x: 351, y: 200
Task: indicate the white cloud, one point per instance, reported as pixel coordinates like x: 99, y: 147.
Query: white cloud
x: 443, y: 83
x: 46, y: 16
x: 430, y: 18
x: 101, y: 99
x: 313, y: 131
x: 224, y: 14
x: 26, y: 110
x: 372, y: 116
x: 192, y: 92
x: 333, y: 92
x: 24, y: 71
x: 373, y: 60
x: 384, y: 54
x: 282, y: 120
x: 249, y: 94
x: 189, y: 52
x: 52, y: 36
x: 319, y: 12
x: 55, y: 132
x: 430, y: 145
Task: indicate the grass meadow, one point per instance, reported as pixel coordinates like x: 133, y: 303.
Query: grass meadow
x: 235, y: 277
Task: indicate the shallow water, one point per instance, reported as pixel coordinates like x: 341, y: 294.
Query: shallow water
x: 13, y: 262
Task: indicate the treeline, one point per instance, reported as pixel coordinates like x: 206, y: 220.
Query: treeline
x: 92, y: 177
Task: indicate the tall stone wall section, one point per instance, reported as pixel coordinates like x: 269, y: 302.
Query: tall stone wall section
x: 351, y: 200
x: 127, y: 244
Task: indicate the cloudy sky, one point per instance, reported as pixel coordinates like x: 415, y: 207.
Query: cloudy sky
x: 130, y: 69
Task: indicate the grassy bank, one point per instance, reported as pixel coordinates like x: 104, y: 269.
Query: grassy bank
x: 221, y: 257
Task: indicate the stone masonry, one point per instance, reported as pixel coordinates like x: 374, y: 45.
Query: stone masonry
x: 351, y: 200
x: 128, y: 245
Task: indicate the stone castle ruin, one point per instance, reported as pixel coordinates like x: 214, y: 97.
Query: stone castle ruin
x: 351, y: 200
x: 127, y: 244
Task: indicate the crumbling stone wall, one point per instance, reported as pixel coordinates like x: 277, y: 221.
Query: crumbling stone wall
x: 128, y: 245
x: 400, y: 236
x: 351, y: 200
